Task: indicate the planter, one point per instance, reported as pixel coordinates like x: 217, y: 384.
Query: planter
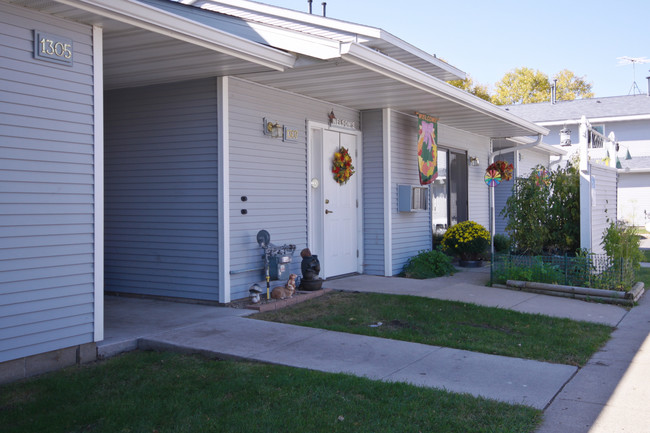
x: 470, y: 263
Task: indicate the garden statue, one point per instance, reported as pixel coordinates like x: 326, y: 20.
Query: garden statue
x: 254, y: 292
x: 285, y: 291
x: 310, y: 268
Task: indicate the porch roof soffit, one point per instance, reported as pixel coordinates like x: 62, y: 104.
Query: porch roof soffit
x: 144, y: 44
x: 365, y: 79
x: 293, y: 30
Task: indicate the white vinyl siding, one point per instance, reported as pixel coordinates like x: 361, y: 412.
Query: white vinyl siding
x: 634, y: 198
x: 603, y: 206
x: 161, y: 190
x: 270, y: 173
x: 46, y: 188
x: 529, y: 159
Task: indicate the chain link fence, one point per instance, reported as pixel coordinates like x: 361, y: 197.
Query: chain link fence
x: 597, y: 271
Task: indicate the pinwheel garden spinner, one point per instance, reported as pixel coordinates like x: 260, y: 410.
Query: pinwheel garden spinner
x: 492, y: 178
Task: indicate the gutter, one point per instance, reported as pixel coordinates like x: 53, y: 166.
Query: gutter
x: 515, y: 148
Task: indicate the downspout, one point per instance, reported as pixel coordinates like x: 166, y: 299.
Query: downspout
x: 490, y: 161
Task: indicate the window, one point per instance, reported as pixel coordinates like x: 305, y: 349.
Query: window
x: 449, y: 195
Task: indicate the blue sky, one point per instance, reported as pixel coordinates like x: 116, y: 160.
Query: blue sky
x: 486, y: 39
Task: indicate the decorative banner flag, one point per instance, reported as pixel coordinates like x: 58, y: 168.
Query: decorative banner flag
x: 427, y: 148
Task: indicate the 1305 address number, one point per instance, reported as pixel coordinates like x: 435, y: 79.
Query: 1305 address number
x: 52, y: 48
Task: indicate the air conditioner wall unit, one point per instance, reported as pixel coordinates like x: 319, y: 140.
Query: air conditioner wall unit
x: 413, y: 198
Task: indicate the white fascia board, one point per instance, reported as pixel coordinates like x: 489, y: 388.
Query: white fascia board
x: 361, y: 31
x: 162, y: 22
x: 298, y: 42
x: 372, y: 60
x: 633, y: 170
x: 305, y: 17
x: 596, y: 120
x: 394, y: 40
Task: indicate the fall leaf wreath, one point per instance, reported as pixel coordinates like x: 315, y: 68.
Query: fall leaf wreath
x: 342, y: 167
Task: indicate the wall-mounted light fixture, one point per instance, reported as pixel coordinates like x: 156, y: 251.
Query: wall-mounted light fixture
x: 473, y: 161
x: 565, y: 136
x: 272, y: 129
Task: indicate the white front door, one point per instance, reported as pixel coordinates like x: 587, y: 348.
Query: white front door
x: 340, y: 205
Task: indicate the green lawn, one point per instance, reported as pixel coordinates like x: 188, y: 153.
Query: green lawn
x: 646, y: 254
x: 450, y: 324
x: 165, y: 392
x: 643, y: 274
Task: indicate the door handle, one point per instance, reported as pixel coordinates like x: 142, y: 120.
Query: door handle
x: 328, y: 211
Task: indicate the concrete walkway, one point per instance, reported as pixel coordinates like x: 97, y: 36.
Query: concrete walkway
x: 565, y: 391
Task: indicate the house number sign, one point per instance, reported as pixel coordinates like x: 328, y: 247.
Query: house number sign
x: 52, y: 48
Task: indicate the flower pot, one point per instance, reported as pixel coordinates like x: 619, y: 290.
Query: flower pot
x: 470, y: 263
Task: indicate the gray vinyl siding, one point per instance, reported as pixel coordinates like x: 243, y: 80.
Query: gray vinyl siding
x: 270, y: 173
x: 373, y: 192
x: 46, y: 189
x: 411, y: 230
x: 161, y: 190
x: 502, y: 192
x: 603, y: 206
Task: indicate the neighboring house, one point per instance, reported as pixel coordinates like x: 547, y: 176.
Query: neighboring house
x: 146, y: 143
x: 628, y: 117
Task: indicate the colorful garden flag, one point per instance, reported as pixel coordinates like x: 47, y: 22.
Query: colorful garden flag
x: 427, y: 148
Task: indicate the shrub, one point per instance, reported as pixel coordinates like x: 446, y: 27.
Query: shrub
x: 621, y: 242
x: 544, y: 217
x: 501, y: 243
x: 467, y: 240
x: 428, y: 264
x: 526, y: 268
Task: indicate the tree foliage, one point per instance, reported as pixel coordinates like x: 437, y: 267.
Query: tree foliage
x: 527, y: 86
x: 469, y: 86
x: 570, y: 87
x: 545, y: 217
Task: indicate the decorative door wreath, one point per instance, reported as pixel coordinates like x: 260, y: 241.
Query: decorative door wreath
x: 342, y: 167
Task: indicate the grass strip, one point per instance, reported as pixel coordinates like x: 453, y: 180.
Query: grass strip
x: 450, y: 324
x: 643, y: 274
x: 166, y: 392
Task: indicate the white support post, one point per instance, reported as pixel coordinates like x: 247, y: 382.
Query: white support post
x: 388, y: 197
x: 98, y: 155
x: 223, y: 198
x: 585, y: 187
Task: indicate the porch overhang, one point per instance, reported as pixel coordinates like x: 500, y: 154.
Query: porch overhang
x: 147, y: 45
x: 365, y: 79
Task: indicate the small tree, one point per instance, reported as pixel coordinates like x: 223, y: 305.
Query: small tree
x: 544, y: 215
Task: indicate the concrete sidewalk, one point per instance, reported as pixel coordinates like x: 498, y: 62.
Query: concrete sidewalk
x: 596, y: 395
x: 225, y: 333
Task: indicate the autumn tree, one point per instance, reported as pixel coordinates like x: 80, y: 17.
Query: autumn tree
x: 468, y: 85
x: 570, y: 87
x: 527, y: 86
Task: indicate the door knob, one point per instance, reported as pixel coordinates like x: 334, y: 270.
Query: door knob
x: 328, y: 211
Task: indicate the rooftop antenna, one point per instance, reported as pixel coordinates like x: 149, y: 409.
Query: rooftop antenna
x: 309, y: 1
x: 626, y: 60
